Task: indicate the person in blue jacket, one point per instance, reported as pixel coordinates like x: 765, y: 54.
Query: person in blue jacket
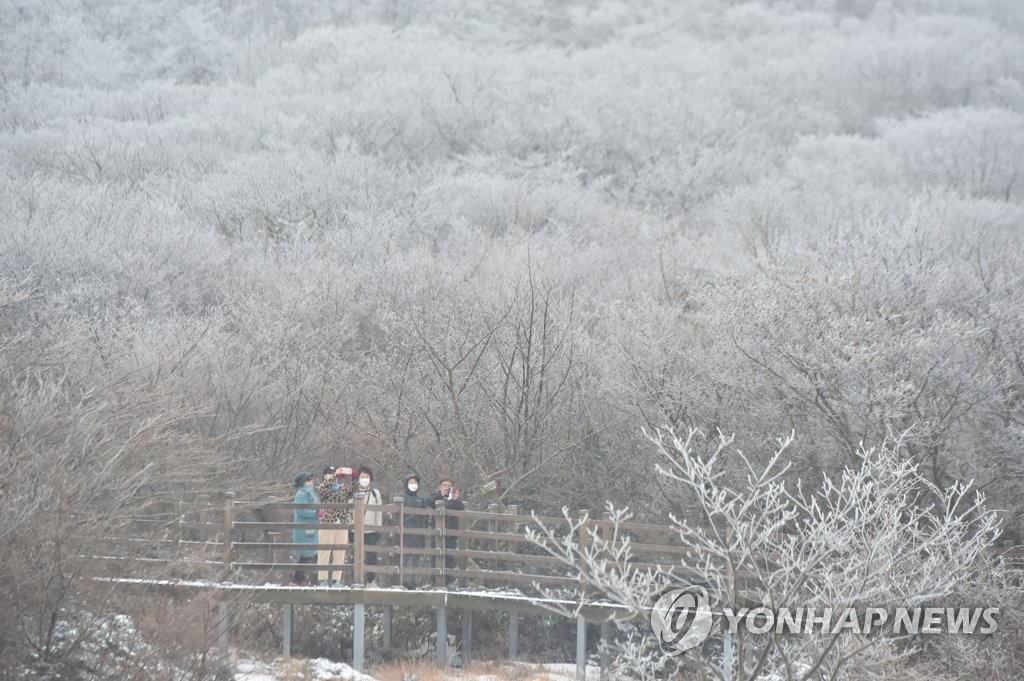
x: 304, y: 494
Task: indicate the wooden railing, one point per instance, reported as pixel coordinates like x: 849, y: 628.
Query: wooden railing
x: 234, y: 547
x: 249, y: 541
x: 252, y: 542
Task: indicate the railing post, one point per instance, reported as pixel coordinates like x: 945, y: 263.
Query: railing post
x: 514, y: 548
x: 467, y: 636
x: 386, y: 634
x: 401, y: 538
x: 359, y: 637
x: 286, y: 630
x: 269, y: 554
x: 605, y: 642
x: 583, y: 540
x: 511, y: 527
x: 440, y: 554
x: 462, y: 562
x: 203, y: 501
x: 581, y: 648
x: 357, y: 539
x: 604, y: 529
x: 442, y: 635
x: 229, y: 523
x: 492, y: 544
x: 513, y: 635
x: 177, y: 527
x: 223, y: 622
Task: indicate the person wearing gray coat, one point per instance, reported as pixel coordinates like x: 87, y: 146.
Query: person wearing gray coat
x: 372, y: 519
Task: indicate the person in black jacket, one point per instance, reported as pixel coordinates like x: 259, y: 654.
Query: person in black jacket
x: 412, y: 499
x: 448, y: 496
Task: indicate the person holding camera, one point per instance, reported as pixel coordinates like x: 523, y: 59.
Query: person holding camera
x: 447, y: 496
x: 336, y: 488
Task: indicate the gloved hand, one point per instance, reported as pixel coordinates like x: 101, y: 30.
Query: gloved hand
x: 320, y: 514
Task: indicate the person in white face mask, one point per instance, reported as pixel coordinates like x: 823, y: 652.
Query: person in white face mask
x: 372, y: 519
x: 411, y: 486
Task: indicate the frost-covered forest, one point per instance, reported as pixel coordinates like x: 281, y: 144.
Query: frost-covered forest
x: 495, y: 240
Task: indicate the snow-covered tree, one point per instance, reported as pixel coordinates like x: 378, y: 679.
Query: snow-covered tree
x: 877, y: 534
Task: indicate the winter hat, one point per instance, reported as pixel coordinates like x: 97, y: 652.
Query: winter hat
x: 329, y: 470
x: 302, y: 478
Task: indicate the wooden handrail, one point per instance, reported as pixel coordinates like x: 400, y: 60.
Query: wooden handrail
x: 491, y: 546
x: 431, y: 512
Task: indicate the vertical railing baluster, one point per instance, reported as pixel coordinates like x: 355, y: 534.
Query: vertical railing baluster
x: 229, y: 523
x: 357, y: 540
x: 401, y: 538
x: 583, y: 541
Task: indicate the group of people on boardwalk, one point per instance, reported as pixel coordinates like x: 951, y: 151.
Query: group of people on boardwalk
x: 339, y: 485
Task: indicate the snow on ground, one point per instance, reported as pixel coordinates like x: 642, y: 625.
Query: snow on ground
x: 565, y: 671
x: 251, y: 670
x: 526, y: 671
x: 320, y: 669
x: 325, y: 670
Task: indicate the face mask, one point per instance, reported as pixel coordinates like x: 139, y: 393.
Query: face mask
x: 413, y: 487
x: 308, y: 487
x: 364, y: 482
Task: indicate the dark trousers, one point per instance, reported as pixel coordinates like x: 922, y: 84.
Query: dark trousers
x: 300, y: 574
x: 413, y: 560
x: 370, y: 541
x: 449, y: 560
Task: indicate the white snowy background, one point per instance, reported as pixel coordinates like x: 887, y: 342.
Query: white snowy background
x: 243, y: 238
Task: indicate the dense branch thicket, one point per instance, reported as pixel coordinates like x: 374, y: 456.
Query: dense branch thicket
x: 495, y: 239
x: 878, y: 535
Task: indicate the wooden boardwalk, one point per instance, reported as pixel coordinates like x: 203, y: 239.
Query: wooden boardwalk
x: 241, y: 552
